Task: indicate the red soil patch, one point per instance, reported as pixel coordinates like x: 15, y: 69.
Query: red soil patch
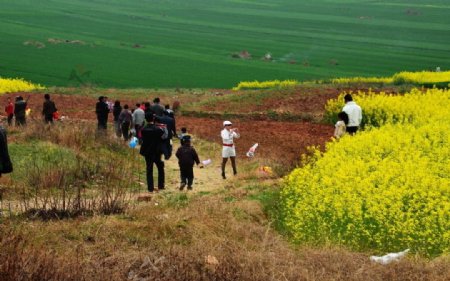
x: 280, y: 142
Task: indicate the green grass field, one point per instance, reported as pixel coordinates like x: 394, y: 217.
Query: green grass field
x: 188, y: 43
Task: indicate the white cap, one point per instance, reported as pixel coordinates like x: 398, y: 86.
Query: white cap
x: 226, y: 123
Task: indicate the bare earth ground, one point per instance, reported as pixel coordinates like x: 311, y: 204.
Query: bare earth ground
x: 279, y: 142
x: 216, y: 232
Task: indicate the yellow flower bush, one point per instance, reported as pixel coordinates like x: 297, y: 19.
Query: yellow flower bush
x: 386, y: 188
x: 382, y: 108
x: 246, y: 85
x: 8, y: 85
x: 385, y: 80
x: 421, y: 78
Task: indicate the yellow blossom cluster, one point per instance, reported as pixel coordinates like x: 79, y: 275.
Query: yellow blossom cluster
x: 420, y: 77
x: 8, y: 85
x: 381, y: 108
x: 248, y: 85
x: 384, y: 80
x: 423, y: 77
x: 387, y: 188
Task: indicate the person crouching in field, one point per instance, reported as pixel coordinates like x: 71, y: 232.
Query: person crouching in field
x: 341, y: 124
x: 228, y: 135
x: 187, y: 156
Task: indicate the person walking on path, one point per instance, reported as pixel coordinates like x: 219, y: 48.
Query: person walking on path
x: 354, y: 113
x: 228, y: 135
x: 5, y: 162
x: 187, y: 156
x: 102, y: 111
x: 48, y: 109
x: 157, y: 109
x: 171, y: 131
x: 151, y: 150
x: 138, y: 121
x: 20, y: 108
x: 9, y: 110
x: 117, y: 109
x: 125, y: 119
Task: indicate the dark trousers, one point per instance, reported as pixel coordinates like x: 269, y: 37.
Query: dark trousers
x: 102, y: 123
x: 351, y: 130
x: 187, y: 175
x: 166, y: 148
x: 125, y: 130
x: 149, y: 161
x: 48, y: 118
x: 21, y: 120
x: 10, y: 118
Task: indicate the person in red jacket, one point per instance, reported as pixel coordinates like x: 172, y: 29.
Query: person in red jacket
x: 9, y: 109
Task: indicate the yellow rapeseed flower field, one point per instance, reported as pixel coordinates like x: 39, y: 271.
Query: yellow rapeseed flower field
x: 8, y: 85
x: 386, y: 188
x: 246, y: 85
x: 419, y: 78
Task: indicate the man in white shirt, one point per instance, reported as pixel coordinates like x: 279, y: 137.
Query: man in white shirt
x: 228, y: 150
x: 354, y: 113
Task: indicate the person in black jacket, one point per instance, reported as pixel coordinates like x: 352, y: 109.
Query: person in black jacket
x: 20, y: 106
x: 117, y: 109
x: 187, y: 156
x: 48, y: 109
x: 5, y: 161
x: 151, y: 150
x: 167, y: 143
x: 102, y: 111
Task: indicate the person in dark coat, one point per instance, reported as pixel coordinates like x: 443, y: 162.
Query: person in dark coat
x: 48, y: 109
x: 117, y: 109
x: 171, y: 129
x: 20, y: 107
x: 125, y: 119
x: 5, y: 161
x: 151, y: 150
x: 102, y: 111
x: 157, y: 109
x: 187, y: 156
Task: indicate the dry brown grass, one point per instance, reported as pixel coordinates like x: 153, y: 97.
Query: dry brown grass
x: 223, y: 235
x: 207, y: 239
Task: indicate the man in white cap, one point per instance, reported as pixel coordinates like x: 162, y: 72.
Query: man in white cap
x: 228, y: 149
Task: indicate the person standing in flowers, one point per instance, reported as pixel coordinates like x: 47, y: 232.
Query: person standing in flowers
x: 354, y: 113
x: 228, y: 135
x: 102, y: 111
x: 48, y: 109
x: 151, y: 150
x: 341, y: 125
x: 9, y: 110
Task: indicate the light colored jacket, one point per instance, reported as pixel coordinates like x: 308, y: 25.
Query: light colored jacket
x: 354, y: 113
x: 138, y: 117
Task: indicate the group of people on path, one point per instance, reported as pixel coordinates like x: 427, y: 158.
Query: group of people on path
x: 19, y: 108
x: 154, y: 127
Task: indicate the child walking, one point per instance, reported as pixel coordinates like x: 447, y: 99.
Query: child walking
x: 340, y: 126
x: 187, y: 156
